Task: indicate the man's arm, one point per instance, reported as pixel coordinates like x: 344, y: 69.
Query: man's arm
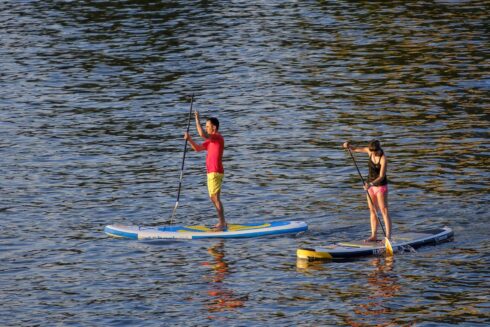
x: 194, y: 145
x: 199, y: 127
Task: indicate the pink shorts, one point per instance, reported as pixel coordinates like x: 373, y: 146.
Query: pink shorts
x: 374, y: 190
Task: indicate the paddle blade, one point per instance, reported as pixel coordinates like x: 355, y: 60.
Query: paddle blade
x: 389, y: 248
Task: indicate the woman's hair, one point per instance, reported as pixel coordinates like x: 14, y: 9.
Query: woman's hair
x: 375, y: 146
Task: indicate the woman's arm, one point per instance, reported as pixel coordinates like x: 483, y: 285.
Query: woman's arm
x: 347, y: 145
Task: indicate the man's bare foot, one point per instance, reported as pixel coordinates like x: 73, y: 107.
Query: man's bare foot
x: 220, y: 228
x: 371, y: 239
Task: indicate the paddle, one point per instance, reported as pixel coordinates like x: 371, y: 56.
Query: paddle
x: 183, y: 160
x: 389, y: 248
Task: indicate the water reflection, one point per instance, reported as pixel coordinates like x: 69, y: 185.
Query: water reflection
x: 220, y: 297
x: 369, y: 297
x: 382, y: 285
x: 305, y: 266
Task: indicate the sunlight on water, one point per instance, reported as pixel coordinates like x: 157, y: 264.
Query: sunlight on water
x: 94, y: 102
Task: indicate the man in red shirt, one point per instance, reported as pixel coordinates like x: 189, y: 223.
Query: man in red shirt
x: 214, y: 144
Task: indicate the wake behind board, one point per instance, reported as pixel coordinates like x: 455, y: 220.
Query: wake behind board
x: 344, y: 250
x: 195, y: 232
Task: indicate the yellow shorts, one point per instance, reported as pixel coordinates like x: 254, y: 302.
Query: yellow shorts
x: 215, y: 180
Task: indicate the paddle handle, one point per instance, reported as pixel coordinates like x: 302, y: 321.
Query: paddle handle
x: 185, y: 147
x: 183, y: 161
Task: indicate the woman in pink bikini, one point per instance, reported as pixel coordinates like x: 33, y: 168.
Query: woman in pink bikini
x: 376, y: 185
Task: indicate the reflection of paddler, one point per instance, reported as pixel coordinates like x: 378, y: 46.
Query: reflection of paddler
x: 223, y: 299
x: 220, y: 266
x: 385, y: 283
x: 383, y: 286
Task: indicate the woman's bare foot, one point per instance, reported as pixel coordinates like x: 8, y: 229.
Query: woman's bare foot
x: 371, y: 239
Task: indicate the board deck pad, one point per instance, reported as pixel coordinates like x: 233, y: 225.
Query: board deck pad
x: 404, y: 237
x: 200, y: 231
x: 356, y: 248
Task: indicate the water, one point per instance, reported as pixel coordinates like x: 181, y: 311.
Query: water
x: 93, y: 105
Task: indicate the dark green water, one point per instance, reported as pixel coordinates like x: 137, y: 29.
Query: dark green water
x: 93, y: 105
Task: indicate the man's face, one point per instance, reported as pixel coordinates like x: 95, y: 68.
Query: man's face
x: 210, y: 128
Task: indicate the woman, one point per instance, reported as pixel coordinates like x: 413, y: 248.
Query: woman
x: 376, y: 186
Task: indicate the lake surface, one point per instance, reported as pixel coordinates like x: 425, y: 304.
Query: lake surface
x: 94, y: 98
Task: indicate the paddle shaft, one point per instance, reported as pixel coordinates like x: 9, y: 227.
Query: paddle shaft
x: 183, y: 161
x: 367, y: 192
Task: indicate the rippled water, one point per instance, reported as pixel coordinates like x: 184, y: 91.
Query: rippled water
x: 93, y: 105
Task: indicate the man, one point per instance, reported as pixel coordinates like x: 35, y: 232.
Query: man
x: 214, y: 144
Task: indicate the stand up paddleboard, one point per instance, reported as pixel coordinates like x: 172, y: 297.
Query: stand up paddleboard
x: 195, y: 232
x: 344, y: 250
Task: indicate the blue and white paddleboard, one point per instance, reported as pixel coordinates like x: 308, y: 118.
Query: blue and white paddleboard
x: 194, y: 232
x: 350, y: 249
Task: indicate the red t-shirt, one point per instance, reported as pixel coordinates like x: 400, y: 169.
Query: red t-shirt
x: 215, y: 146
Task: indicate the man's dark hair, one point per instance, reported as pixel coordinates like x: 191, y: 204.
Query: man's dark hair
x: 214, y: 121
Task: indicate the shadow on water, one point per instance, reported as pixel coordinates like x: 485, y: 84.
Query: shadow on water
x: 162, y: 242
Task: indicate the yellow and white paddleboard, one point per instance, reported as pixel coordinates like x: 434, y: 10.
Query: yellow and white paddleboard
x: 195, y: 232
